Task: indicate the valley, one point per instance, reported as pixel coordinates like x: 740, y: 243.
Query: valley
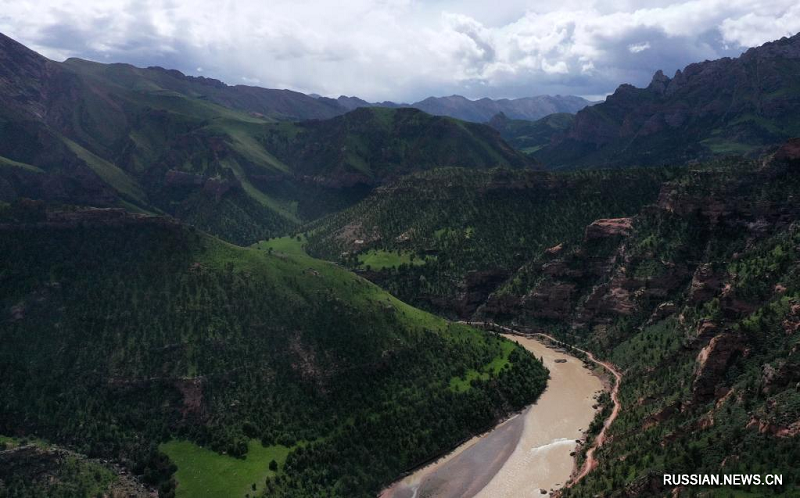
x: 214, y: 290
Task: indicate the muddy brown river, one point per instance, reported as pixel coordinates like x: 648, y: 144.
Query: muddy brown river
x: 525, y: 454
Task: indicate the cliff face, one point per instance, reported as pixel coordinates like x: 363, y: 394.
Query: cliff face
x: 628, y: 266
x: 697, y: 300
x: 725, y: 106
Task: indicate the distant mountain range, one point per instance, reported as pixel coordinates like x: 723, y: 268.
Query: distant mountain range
x: 727, y: 106
x: 483, y: 110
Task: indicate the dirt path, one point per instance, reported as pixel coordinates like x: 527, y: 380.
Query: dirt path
x: 591, y: 462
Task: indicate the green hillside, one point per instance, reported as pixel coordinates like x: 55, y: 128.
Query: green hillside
x: 229, y: 160
x: 371, y: 144
x: 530, y: 136
x: 136, y: 338
x: 445, y: 239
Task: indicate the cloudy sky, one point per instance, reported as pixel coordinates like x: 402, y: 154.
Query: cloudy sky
x: 404, y: 50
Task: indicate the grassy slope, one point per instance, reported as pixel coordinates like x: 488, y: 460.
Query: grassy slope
x: 204, y: 473
x: 381, y: 260
x: 8, y: 163
x: 111, y: 174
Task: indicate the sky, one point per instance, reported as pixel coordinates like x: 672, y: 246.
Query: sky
x: 405, y: 50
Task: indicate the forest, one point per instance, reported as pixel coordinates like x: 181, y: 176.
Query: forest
x: 129, y: 332
x: 465, y: 222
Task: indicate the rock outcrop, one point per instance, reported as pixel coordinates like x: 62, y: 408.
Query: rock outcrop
x: 712, y: 362
x: 609, y: 228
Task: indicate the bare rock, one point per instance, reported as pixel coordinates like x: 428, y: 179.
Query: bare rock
x: 610, y: 227
x: 554, y: 250
x: 712, y: 363
x: 706, y: 283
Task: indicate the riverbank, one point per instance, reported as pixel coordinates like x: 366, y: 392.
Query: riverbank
x: 525, y: 454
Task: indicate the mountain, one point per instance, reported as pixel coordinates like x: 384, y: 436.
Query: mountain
x: 483, y: 110
x: 696, y: 299
x: 187, y: 360
x: 444, y: 239
x: 31, y: 466
x: 727, y: 106
x: 694, y: 294
x: 157, y: 141
x: 40, y: 74
x: 369, y: 145
x: 144, y: 354
x: 351, y: 103
x: 530, y: 136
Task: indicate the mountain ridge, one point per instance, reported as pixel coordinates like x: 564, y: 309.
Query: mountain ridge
x: 484, y: 109
x: 234, y: 161
x: 742, y: 105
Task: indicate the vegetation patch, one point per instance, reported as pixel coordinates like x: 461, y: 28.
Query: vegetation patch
x: 378, y: 259
x: 492, y: 369
x: 203, y: 473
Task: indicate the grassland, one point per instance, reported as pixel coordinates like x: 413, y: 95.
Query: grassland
x: 381, y: 259
x: 110, y: 173
x: 8, y: 163
x: 203, y: 473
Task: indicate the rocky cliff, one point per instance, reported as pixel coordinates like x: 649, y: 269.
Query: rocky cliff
x: 726, y: 106
x: 696, y: 300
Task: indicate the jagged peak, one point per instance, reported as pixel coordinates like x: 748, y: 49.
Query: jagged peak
x: 659, y: 82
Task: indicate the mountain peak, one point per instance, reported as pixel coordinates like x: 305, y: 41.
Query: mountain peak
x: 695, y: 114
x: 10, y: 45
x: 785, y: 47
x: 22, y: 73
x: 659, y: 82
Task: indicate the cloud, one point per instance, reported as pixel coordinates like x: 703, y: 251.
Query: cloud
x: 754, y: 29
x: 405, y: 49
x: 638, y: 47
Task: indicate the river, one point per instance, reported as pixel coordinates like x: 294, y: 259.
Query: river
x: 527, y: 453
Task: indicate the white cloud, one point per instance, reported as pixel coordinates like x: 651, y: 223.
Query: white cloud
x: 559, y: 67
x: 405, y: 49
x: 754, y: 29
